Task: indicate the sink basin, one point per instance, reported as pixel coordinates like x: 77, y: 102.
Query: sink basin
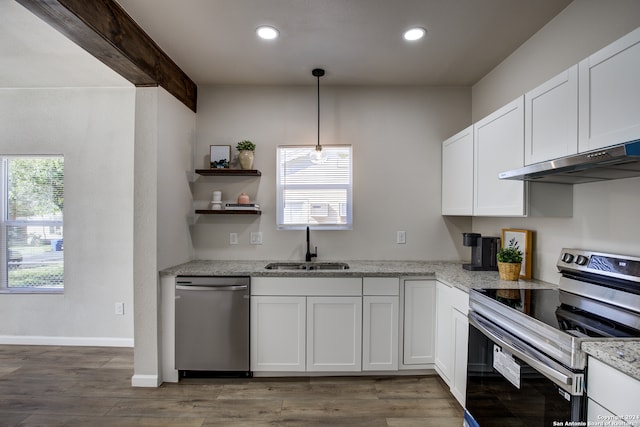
x: 307, y: 266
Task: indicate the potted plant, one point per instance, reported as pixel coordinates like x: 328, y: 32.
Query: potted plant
x: 510, y: 261
x: 245, y: 154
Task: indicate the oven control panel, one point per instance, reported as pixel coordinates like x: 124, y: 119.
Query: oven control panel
x: 619, y: 266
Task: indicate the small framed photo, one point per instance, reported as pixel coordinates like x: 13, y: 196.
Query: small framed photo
x: 220, y: 156
x: 523, y: 240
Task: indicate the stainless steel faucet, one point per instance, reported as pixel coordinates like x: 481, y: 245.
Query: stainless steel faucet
x: 310, y: 255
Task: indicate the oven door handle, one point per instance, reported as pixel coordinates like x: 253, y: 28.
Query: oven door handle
x: 567, y: 381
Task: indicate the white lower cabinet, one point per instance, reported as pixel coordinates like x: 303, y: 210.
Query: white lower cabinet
x: 334, y: 333
x: 380, y: 303
x: 452, y: 330
x: 611, y: 393
x: 278, y: 333
x: 460, y: 339
x: 419, y: 322
x: 306, y: 324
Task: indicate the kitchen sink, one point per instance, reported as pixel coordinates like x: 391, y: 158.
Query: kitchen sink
x: 307, y: 266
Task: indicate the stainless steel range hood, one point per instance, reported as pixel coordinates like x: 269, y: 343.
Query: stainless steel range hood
x: 615, y: 162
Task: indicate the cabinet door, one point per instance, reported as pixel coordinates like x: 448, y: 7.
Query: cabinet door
x: 499, y: 146
x: 278, y: 333
x: 380, y: 333
x: 457, y: 174
x: 619, y: 400
x: 609, y: 92
x: 460, y: 326
x: 551, y: 118
x: 444, y: 341
x: 334, y: 333
x: 419, y: 322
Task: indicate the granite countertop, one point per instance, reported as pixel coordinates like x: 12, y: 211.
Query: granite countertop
x: 624, y: 355
x: 448, y: 272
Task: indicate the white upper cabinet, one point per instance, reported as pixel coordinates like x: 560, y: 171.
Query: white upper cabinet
x: 551, y: 118
x: 609, y: 94
x: 499, y: 146
x: 457, y: 174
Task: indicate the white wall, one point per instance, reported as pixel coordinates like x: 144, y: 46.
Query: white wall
x: 164, y: 135
x: 93, y: 129
x: 604, y: 213
x: 396, y: 134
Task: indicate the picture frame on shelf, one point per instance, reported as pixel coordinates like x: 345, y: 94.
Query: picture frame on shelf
x: 524, y: 240
x: 220, y: 156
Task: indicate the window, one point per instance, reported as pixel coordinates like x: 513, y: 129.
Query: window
x: 314, y: 190
x: 32, y: 240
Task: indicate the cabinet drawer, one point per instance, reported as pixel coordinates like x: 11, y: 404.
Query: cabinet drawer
x: 613, y: 390
x: 307, y: 286
x: 381, y: 286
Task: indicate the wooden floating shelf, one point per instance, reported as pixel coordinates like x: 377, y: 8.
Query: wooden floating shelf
x: 227, y: 212
x: 228, y: 172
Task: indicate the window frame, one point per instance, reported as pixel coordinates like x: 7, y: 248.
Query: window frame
x: 5, y: 224
x: 280, y: 198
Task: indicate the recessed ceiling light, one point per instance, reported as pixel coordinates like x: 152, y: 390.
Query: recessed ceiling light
x: 267, y: 33
x: 414, y: 34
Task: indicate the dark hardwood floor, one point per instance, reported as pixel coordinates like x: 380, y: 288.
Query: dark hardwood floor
x: 91, y: 386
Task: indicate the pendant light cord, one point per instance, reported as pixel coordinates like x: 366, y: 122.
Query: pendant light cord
x: 318, y: 72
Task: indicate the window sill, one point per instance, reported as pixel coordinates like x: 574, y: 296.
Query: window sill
x: 32, y: 291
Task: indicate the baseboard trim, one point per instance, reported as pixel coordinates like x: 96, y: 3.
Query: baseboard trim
x: 140, y: 380
x: 66, y: 341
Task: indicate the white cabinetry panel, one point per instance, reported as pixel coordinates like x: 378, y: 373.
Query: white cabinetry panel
x: 419, y: 322
x: 334, y: 333
x: 499, y: 146
x: 278, y: 330
x: 457, y: 174
x: 551, y: 118
x: 609, y: 93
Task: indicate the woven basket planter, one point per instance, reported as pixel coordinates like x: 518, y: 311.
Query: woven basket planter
x: 509, y: 271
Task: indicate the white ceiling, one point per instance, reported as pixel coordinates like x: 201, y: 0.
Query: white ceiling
x: 356, y: 41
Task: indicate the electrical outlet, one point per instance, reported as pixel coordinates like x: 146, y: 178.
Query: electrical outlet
x: 120, y: 308
x: 401, y: 237
x: 233, y: 238
x: 256, y: 237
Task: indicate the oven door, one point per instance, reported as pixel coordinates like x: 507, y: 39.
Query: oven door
x: 510, y: 383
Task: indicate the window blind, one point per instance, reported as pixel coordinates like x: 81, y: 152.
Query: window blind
x: 314, y: 188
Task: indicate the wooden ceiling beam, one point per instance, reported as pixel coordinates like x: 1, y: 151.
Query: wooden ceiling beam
x: 106, y: 31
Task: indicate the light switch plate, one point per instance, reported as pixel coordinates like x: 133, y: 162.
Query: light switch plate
x: 401, y: 237
x: 233, y: 238
x: 256, y: 237
x: 119, y: 309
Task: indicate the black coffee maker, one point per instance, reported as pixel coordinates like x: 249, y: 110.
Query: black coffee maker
x: 483, y: 252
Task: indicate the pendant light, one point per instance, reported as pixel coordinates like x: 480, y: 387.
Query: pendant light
x: 318, y: 156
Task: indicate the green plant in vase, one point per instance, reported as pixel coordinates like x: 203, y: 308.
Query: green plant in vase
x: 246, y: 150
x: 509, y: 261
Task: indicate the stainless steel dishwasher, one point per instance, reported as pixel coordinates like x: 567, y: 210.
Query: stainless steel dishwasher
x: 212, y: 324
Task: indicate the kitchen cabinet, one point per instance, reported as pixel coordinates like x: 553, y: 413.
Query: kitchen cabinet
x: 452, y: 329
x: 551, y: 118
x: 620, y: 401
x: 499, y: 146
x: 444, y: 324
x: 609, y: 89
x: 380, y: 303
x: 457, y: 174
x: 419, y: 322
x: 278, y: 333
x: 306, y: 324
x: 228, y: 172
x: 334, y: 334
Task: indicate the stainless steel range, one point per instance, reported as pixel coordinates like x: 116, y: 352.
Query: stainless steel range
x: 525, y: 364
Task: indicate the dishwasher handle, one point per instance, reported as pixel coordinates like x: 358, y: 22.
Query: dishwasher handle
x: 212, y: 288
